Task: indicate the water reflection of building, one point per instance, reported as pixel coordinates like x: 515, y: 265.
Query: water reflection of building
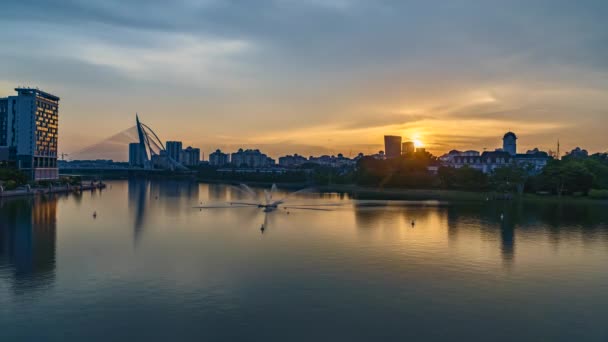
x: 162, y: 197
x: 217, y: 192
x: 28, y: 242
x: 507, y: 240
x: 138, y: 195
x: 484, y: 222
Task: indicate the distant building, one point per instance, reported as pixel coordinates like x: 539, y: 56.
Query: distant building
x: 29, y: 124
x: 136, y: 157
x: 408, y: 148
x: 486, y: 162
x: 190, y: 156
x: 509, y: 143
x: 174, y: 150
x: 333, y: 161
x: 250, y: 158
x: 380, y: 155
x: 392, y: 146
x: 578, y: 153
x: 291, y: 161
x: 455, y: 153
x: 420, y: 150
x: 218, y: 158
x: 534, y: 161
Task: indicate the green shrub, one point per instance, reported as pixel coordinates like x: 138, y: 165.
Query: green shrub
x: 598, y: 194
x: 10, y: 185
x: 13, y: 175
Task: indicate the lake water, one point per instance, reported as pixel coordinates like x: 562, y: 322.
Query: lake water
x: 150, y: 267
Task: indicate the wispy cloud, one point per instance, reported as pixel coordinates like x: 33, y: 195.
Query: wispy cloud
x: 317, y: 74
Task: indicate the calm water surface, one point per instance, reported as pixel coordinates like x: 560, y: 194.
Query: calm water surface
x: 150, y: 267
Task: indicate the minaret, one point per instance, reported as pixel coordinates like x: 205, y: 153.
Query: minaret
x: 558, y: 156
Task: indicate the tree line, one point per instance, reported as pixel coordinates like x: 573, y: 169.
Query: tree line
x: 569, y: 176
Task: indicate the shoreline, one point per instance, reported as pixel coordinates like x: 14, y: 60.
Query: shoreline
x: 365, y: 192
x: 45, y: 191
x: 449, y: 195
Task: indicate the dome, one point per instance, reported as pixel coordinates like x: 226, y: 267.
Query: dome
x: 510, y: 135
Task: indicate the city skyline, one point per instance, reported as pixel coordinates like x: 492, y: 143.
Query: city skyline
x: 227, y: 75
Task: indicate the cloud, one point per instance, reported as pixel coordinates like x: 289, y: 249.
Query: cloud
x: 337, y: 72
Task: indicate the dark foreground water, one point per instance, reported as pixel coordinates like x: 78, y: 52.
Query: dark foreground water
x: 150, y: 267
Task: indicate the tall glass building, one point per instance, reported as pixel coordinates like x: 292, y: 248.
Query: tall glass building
x: 31, y: 131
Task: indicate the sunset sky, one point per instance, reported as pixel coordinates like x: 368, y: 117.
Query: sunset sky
x: 316, y: 76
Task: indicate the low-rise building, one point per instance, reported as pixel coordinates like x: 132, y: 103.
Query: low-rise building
x: 292, y: 161
x: 332, y: 161
x: 578, y: 153
x: 447, y: 158
x: 534, y: 161
x: 486, y: 162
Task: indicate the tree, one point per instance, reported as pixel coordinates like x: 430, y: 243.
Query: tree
x: 508, y: 179
x: 567, y: 176
x: 469, y: 178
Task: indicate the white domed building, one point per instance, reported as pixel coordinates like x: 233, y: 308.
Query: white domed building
x: 534, y: 160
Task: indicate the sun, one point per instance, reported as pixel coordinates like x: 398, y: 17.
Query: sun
x: 418, y: 143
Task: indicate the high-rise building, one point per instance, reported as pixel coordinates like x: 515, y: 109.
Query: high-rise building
x: 392, y: 146
x: 136, y: 158
x: 250, y: 158
x: 4, y: 148
x: 408, y: 148
x: 3, y: 122
x: 218, y: 158
x: 191, y: 156
x: 174, y: 150
x: 29, y: 124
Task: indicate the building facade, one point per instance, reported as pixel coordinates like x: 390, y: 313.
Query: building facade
x: 447, y: 158
x: 292, y: 161
x: 4, y: 122
x: 509, y: 143
x: 392, y: 146
x: 486, y: 162
x: 174, y: 150
x: 408, y: 148
x: 29, y: 129
x: 190, y: 156
x: 533, y: 161
x: 218, y: 158
x: 250, y: 158
x: 136, y: 158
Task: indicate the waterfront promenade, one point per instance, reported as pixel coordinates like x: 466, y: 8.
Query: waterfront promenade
x: 29, y: 191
